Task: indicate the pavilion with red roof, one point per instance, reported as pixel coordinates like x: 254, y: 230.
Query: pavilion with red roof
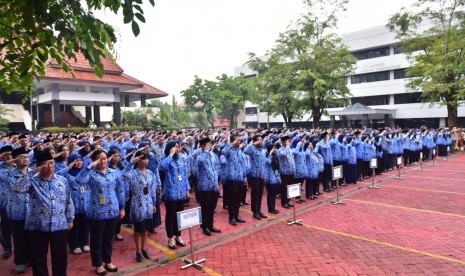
x: 58, y: 91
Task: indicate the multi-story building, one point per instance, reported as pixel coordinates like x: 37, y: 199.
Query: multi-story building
x: 377, y: 85
x: 63, y: 99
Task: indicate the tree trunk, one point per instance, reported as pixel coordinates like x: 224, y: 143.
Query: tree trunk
x: 316, y: 120
x: 451, y: 116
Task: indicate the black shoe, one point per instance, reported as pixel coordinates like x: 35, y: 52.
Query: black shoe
x: 319, y: 193
x: 233, y: 222
x: 182, y: 244
x: 146, y: 254
x: 225, y: 207
x: 273, y: 212
x: 245, y: 203
x: 256, y: 216
x: 262, y: 215
x: 290, y: 205
x: 139, y: 257
x: 302, y: 200
x: 286, y: 206
x: 241, y: 220
x: 101, y: 273
x: 220, y: 196
x: 118, y: 239
x: 327, y: 190
x: 114, y: 269
x: 6, y: 254
x: 207, y: 232
x: 214, y: 229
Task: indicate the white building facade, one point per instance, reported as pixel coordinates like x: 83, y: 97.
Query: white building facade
x: 378, y: 82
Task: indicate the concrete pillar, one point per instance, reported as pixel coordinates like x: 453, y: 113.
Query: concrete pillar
x: 143, y: 98
x: 126, y: 100
x: 56, y: 114
x: 365, y: 120
x: 117, y: 106
x: 332, y: 118
x: 40, y: 116
x: 97, y: 115
x: 388, y: 121
x: 88, y: 115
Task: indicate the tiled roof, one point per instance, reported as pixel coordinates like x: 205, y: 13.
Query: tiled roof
x: 145, y: 89
x: 81, y: 64
x: 55, y: 73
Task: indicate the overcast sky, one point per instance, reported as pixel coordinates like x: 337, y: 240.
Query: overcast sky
x: 183, y: 38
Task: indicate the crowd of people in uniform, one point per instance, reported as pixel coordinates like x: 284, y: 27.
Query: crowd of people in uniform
x: 76, y: 189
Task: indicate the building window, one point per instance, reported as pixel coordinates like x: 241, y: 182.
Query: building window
x: 251, y: 111
x: 372, y: 100
x: 372, y: 53
x: 407, y: 98
x: 399, y: 74
x: 250, y: 76
x: 398, y: 50
x: 371, y: 77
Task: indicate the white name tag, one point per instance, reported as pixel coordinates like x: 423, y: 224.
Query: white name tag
x: 179, y: 177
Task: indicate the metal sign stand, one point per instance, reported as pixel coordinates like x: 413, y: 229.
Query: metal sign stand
x: 421, y: 162
x: 336, y: 177
x: 399, y: 164
x: 191, y: 262
x: 373, y: 165
x: 188, y: 219
x: 434, y: 157
x: 294, y: 221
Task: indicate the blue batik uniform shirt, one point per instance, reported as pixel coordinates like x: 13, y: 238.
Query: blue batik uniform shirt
x: 143, y: 190
x: 235, y: 164
x: 208, y: 168
x: 286, y: 161
x: 257, y: 161
x: 17, y: 202
x: 107, y: 193
x: 50, y: 207
x: 176, y: 184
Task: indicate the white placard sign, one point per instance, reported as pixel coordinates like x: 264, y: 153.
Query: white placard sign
x: 189, y: 218
x: 337, y: 172
x: 399, y: 160
x: 293, y: 190
x: 434, y: 152
x: 448, y: 149
x: 421, y: 155
x: 373, y: 163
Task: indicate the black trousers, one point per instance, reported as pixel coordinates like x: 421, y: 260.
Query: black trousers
x: 5, y: 231
x: 425, y: 151
x: 78, y: 236
x: 286, y: 180
x: 310, y: 186
x: 101, y: 240
x: 208, y: 202
x: 40, y: 242
x: 327, y: 176
x: 359, y: 168
x: 257, y: 185
x: 233, y: 194
x: 406, y: 155
x: 20, y: 242
x: 171, y: 220
x: 271, y: 192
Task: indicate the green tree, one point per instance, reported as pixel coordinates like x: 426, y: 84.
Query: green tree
x: 200, y: 97
x: 33, y: 32
x: 231, y: 94
x: 155, y: 103
x: 432, y: 34
x: 306, y: 69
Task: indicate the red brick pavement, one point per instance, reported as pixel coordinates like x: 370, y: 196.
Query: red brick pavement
x: 273, y: 248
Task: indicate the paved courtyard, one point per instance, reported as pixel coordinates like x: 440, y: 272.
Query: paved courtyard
x: 412, y: 226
